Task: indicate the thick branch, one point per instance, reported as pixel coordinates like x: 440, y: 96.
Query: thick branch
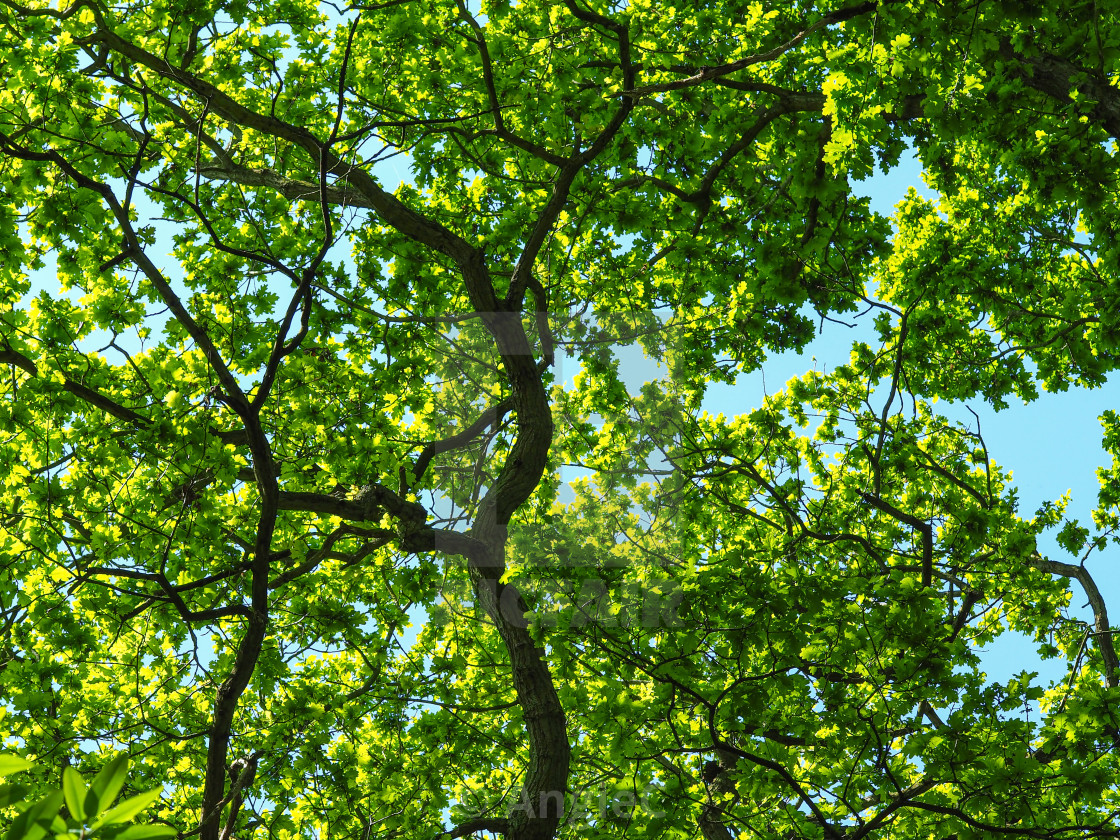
x: 1102, y: 631
x: 248, y: 651
x: 720, y: 784
x: 544, y: 719
x: 1059, y: 79
x: 490, y: 417
x: 920, y: 525
x: 495, y: 825
x: 291, y: 188
x: 109, y: 406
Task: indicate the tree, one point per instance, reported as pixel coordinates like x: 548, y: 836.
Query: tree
x: 279, y: 410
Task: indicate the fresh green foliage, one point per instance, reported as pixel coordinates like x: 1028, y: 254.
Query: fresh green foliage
x: 306, y: 312
x: 76, y: 812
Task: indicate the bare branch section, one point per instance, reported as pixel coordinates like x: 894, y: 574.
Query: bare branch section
x: 1102, y: 630
x: 924, y: 528
x: 497, y: 825
x: 291, y: 188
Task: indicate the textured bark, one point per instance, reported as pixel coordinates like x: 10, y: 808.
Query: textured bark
x: 1058, y: 79
x: 720, y: 785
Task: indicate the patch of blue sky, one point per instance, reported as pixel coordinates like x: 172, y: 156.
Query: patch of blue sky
x: 1051, y: 446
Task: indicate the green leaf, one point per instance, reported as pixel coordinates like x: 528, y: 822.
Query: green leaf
x: 13, y: 764
x: 106, y: 785
x: 1072, y: 536
x: 129, y: 808
x: 74, y: 789
x: 37, y: 819
x: 146, y: 832
x: 11, y: 793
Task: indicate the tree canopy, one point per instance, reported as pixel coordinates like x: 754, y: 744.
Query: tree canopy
x: 340, y: 293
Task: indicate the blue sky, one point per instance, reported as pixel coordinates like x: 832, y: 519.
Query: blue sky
x: 1051, y: 446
